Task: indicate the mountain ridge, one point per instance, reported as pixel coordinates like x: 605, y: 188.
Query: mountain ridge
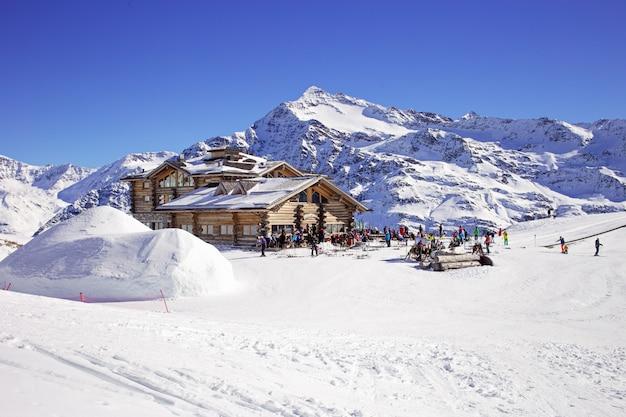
x: 410, y: 166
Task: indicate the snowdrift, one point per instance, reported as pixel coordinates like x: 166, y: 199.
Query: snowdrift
x: 108, y: 255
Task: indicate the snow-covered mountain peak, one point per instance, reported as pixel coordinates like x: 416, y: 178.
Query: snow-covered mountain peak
x: 344, y: 113
x: 470, y: 115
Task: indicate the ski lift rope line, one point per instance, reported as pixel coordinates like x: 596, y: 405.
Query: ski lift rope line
x: 585, y: 237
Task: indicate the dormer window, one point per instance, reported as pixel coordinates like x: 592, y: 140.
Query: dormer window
x: 302, y: 198
x: 316, y: 197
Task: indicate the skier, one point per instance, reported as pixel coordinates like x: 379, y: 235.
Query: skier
x: 598, y: 244
x: 562, y: 241
x: 263, y: 244
x: 488, y: 242
x: 313, y: 243
x: 440, y: 230
x: 476, y: 232
x: 388, y: 238
x: 505, y: 237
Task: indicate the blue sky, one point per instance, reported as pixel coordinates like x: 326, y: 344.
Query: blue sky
x: 87, y: 82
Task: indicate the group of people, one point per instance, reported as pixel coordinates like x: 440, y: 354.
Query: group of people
x: 424, y: 242
x: 565, y: 247
x: 310, y: 236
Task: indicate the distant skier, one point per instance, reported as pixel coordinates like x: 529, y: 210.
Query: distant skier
x: 263, y: 244
x: 476, y: 232
x: 388, y: 238
x: 598, y: 244
x: 562, y: 241
x: 313, y: 244
x: 488, y: 241
x: 440, y: 230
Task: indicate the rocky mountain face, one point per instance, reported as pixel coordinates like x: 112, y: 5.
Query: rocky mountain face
x: 407, y: 166
x: 29, y: 194
x: 419, y: 167
x: 103, y: 186
x: 34, y: 197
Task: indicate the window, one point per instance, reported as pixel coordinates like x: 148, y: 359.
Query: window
x: 177, y: 179
x: 334, y: 228
x: 249, y: 229
x: 146, y: 184
x: 226, y: 229
x: 159, y: 225
x: 302, y: 197
x: 316, y: 197
x: 277, y: 228
x: 146, y: 198
x: 187, y: 227
x: 163, y: 198
x: 206, y: 229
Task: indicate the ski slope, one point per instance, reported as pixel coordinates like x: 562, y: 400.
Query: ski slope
x: 539, y: 334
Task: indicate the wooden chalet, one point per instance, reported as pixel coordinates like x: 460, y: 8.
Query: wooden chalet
x: 227, y: 196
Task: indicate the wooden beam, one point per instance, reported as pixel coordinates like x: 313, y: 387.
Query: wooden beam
x: 196, y: 228
x: 235, y: 228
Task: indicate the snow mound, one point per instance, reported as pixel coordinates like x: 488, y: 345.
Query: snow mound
x: 108, y: 255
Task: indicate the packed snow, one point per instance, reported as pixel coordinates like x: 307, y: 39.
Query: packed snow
x: 108, y: 255
x: 348, y: 333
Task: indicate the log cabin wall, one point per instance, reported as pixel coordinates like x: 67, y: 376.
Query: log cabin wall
x: 167, y: 194
x: 240, y: 228
x: 142, y: 196
x: 337, y: 212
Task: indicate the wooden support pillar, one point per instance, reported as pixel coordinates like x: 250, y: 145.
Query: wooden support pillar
x: 263, y: 223
x: 321, y: 216
x: 196, y: 227
x: 351, y: 220
x: 133, y: 195
x: 153, y: 184
x: 235, y: 228
x: 298, y: 216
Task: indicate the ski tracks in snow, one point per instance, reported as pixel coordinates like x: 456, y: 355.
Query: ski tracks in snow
x: 289, y: 373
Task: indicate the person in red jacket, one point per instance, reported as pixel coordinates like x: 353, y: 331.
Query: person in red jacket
x: 487, y: 241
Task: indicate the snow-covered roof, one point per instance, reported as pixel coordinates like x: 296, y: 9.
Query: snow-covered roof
x: 237, y: 164
x: 257, y: 193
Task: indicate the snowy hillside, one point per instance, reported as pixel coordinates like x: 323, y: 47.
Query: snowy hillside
x: 355, y: 334
x: 34, y: 197
x: 29, y: 194
x: 425, y: 167
x: 104, y: 188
